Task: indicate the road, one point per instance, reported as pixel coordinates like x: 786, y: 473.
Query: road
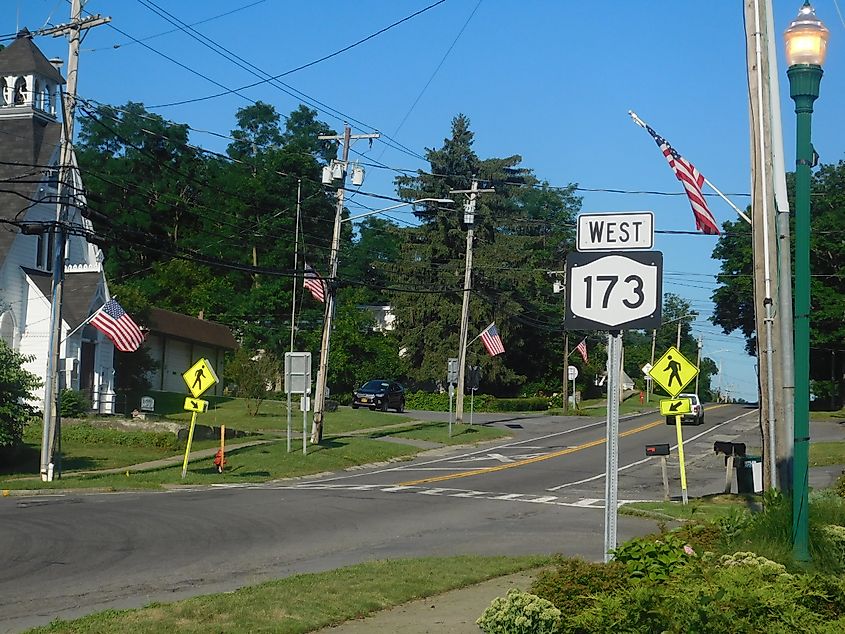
x: 542, y: 491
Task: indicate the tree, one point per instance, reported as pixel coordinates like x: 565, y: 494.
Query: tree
x: 521, y: 231
x: 257, y: 132
x: 254, y: 373
x: 734, y: 297
x: 16, y: 387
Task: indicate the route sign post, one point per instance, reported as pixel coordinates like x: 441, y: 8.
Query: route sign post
x: 673, y: 372
x: 199, y: 378
x: 298, y: 381
x: 610, y: 289
x: 451, y: 379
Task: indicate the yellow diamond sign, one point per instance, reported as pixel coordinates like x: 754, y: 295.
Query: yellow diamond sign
x: 673, y: 371
x: 675, y: 406
x: 200, y: 377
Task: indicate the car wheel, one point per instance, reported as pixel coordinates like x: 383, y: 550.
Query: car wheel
x: 401, y: 407
x: 354, y: 406
x: 701, y: 420
x: 384, y: 405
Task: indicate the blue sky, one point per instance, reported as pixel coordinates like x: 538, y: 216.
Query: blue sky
x: 549, y: 80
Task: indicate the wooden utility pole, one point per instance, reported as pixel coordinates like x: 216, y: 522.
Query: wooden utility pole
x: 469, y: 221
x: 67, y: 185
x: 763, y: 226
x: 331, y: 290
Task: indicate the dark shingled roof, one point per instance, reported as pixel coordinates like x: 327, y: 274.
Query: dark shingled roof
x: 167, y: 322
x: 22, y: 57
x: 25, y: 142
x: 79, y: 290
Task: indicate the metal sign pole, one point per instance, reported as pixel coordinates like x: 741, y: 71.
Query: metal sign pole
x: 451, y: 392
x: 305, y: 399
x: 614, y: 360
x: 681, y: 458
x: 289, y: 406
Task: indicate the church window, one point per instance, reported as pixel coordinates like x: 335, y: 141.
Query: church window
x: 20, y: 91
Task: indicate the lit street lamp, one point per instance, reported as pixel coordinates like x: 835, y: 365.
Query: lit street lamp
x: 806, y: 45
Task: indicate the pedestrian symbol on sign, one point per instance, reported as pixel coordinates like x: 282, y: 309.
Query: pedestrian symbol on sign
x: 674, y: 368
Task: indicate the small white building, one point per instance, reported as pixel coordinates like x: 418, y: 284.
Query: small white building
x: 29, y: 156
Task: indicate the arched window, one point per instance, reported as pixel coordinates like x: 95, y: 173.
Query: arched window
x: 20, y: 91
x: 38, y: 93
x: 7, y: 329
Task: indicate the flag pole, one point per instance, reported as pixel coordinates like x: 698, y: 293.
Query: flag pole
x: 642, y: 124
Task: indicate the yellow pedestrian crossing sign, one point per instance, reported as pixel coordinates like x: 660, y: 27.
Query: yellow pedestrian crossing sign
x: 200, y: 377
x: 673, y: 371
x: 675, y: 406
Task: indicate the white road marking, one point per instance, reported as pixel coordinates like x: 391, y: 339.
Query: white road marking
x: 644, y: 460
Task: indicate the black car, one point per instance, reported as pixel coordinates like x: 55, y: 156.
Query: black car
x: 381, y: 395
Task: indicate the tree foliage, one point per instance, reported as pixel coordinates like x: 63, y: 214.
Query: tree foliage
x: 16, y: 387
x: 734, y: 295
x: 522, y: 231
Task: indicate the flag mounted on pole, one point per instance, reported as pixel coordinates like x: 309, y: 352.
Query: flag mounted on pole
x: 582, y: 348
x: 119, y: 327
x: 690, y: 178
x: 314, y: 283
x: 491, y: 340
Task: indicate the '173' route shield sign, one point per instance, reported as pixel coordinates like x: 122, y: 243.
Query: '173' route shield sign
x: 613, y: 291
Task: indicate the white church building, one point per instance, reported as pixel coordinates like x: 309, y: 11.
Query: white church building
x: 30, y: 134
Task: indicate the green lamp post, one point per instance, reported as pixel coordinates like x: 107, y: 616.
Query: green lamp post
x: 806, y: 45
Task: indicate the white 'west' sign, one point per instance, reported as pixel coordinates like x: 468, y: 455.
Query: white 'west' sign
x: 614, y: 232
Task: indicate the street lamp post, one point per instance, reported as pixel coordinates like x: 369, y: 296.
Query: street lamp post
x: 806, y: 45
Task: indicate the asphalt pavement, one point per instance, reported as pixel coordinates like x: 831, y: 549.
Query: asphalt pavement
x: 72, y: 553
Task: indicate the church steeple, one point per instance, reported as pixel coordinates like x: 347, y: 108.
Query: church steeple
x: 29, y: 83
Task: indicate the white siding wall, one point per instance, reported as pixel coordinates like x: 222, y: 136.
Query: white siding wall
x: 177, y: 359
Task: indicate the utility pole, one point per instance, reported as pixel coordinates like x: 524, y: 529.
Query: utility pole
x: 51, y: 433
x: 763, y: 234
x: 331, y: 291
x: 469, y: 221
x: 698, y: 364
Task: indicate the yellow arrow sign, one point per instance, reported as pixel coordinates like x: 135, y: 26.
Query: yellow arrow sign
x: 195, y: 405
x: 675, y: 406
x: 673, y: 371
x: 200, y: 377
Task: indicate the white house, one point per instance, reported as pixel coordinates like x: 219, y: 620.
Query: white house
x: 29, y: 154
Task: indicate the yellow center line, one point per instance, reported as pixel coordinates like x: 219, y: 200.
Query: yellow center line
x: 547, y: 456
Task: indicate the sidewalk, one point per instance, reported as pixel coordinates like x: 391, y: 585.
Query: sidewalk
x: 454, y: 612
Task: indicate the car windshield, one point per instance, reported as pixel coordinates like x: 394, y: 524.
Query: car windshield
x: 374, y: 386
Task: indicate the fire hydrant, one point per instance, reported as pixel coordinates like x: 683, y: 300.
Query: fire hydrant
x: 219, y: 460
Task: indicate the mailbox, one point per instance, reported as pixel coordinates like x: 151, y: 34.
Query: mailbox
x: 729, y: 448
x: 657, y: 450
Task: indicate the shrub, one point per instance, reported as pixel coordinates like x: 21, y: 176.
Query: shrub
x: 839, y: 487
x: 654, y: 560
x: 766, y: 567
x: 572, y: 582
x: 720, y: 600
x: 16, y: 385
x: 520, y: 613
x: 73, y: 404
x: 532, y: 404
x: 834, y: 535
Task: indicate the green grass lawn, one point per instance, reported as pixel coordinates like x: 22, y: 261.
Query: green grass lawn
x: 823, y: 454
x: 272, y: 416
x: 303, y: 603
x: 828, y: 416
x: 705, y: 509
x: 439, y: 432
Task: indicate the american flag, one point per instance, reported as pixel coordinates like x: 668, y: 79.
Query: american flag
x: 492, y: 341
x: 314, y: 283
x: 692, y: 181
x: 582, y: 348
x: 115, y: 324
